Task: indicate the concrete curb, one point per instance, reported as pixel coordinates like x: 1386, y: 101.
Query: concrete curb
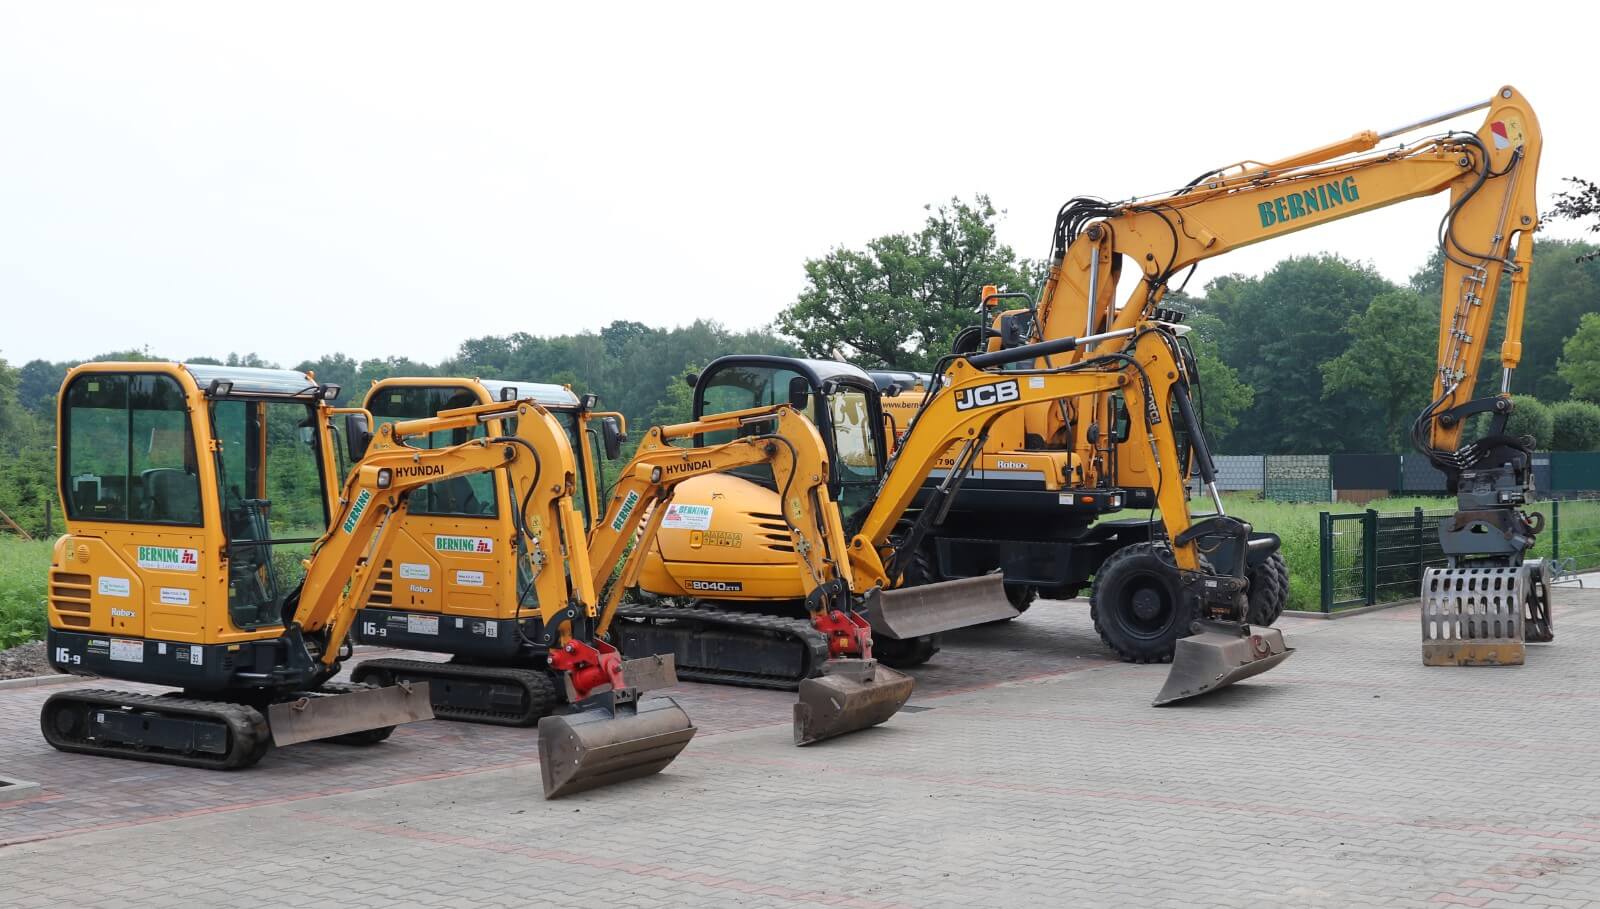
x: 13, y: 789
x: 33, y: 681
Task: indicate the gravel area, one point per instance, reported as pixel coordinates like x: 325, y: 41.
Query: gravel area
x: 23, y: 661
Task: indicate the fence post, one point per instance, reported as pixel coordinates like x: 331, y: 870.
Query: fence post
x: 1369, y: 556
x: 1555, y: 531
x: 1416, y: 529
x: 1325, y: 524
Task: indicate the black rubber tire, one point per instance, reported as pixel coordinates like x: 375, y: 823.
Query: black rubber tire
x: 905, y: 654
x: 1021, y: 596
x: 1269, y: 590
x: 911, y: 652
x: 1137, y: 606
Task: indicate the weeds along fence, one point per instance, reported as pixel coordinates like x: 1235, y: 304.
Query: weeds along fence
x: 1370, y: 557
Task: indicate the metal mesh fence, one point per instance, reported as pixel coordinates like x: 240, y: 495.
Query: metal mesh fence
x: 1298, y: 478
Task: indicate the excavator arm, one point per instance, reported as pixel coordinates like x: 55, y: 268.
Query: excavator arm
x: 1487, y: 231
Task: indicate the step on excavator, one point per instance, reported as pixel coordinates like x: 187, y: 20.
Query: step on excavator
x: 174, y: 571
x: 721, y: 547
x: 472, y: 599
x: 1490, y: 598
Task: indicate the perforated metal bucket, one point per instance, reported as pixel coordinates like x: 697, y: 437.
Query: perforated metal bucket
x: 1479, y: 616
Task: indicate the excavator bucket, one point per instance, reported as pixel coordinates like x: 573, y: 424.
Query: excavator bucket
x: 608, y: 744
x: 318, y: 715
x: 849, y: 695
x: 912, y: 612
x: 1219, y: 654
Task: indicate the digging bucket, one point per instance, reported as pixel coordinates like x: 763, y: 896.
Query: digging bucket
x: 325, y: 716
x: 1219, y: 654
x: 848, y: 696
x: 602, y: 745
x: 911, y: 612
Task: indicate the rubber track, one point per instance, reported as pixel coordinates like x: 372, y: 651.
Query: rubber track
x: 693, y: 618
x: 540, y: 689
x: 249, y: 740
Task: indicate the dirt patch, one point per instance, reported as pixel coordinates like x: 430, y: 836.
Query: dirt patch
x: 23, y: 661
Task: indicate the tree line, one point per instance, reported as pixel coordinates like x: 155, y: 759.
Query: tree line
x: 1319, y: 354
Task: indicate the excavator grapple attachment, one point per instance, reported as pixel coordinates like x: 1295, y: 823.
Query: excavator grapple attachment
x: 1219, y: 654
x: 607, y: 744
x: 1481, y: 616
x: 318, y: 715
x: 848, y: 696
x: 912, y: 612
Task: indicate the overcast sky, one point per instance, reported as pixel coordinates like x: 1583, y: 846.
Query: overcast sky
x: 389, y: 179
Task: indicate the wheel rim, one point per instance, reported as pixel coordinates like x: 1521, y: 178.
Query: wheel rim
x: 1149, y: 607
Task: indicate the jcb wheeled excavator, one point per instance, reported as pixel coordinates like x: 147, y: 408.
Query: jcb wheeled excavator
x: 1481, y: 607
x: 173, y: 571
x: 723, y: 545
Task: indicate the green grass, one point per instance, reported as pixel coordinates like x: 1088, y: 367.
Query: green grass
x: 24, y: 567
x: 1297, y: 524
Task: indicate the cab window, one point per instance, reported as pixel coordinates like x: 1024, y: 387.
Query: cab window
x: 856, y: 447
x: 466, y: 496
x: 128, y: 451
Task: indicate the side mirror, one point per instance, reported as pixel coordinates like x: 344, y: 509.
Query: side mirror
x: 799, y: 393
x: 691, y: 378
x: 612, y: 437
x: 357, y: 436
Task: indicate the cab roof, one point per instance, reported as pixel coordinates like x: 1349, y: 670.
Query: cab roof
x: 253, y: 380
x: 818, y: 371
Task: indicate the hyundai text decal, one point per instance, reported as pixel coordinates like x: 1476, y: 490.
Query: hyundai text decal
x: 987, y: 395
x: 418, y: 470
x: 686, y: 466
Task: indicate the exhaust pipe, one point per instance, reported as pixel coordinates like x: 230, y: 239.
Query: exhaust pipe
x: 322, y: 716
x: 849, y: 695
x: 913, y: 612
x: 1217, y: 655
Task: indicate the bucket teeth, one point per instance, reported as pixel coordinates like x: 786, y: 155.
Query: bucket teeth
x: 1218, y: 655
x: 600, y: 746
x: 850, y: 695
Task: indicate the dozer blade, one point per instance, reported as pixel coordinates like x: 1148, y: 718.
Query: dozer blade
x: 324, y: 716
x: 849, y: 695
x: 1217, y: 655
x: 911, y: 612
x: 600, y: 746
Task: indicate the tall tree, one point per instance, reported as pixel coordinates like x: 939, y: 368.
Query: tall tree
x: 1277, y: 329
x: 899, y: 301
x: 1580, y: 359
x: 1581, y: 202
x: 1389, y: 361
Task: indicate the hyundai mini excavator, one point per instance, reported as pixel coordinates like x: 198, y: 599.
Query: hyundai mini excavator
x: 722, y: 546
x: 191, y: 494
x: 453, y: 580
x: 1489, y: 598
x: 471, y: 600
x: 252, y: 649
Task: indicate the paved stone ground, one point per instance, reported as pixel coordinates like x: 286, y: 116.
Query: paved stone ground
x: 1036, y: 774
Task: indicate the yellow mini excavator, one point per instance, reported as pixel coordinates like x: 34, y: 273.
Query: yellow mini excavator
x: 1490, y: 598
x: 177, y: 569
x: 721, y: 543
x: 454, y: 580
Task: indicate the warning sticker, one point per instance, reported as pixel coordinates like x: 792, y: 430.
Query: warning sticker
x: 687, y: 517
x: 469, y: 578
x: 127, y: 651
x: 412, y: 571
x: 175, y: 596
x: 114, y: 587
x: 422, y: 624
